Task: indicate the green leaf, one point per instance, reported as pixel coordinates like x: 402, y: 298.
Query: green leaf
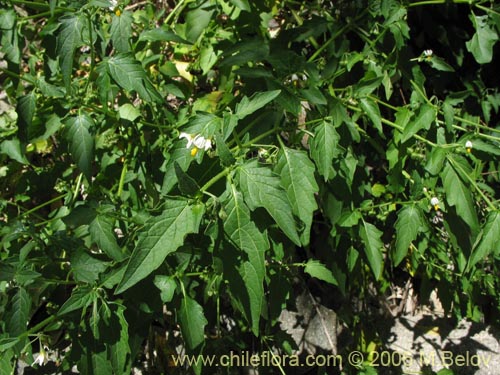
x: 324, y: 147
x: 261, y: 188
x: 373, y: 247
x: 297, y: 176
x: 69, y: 39
x: 128, y: 112
x: 435, y: 160
x: 13, y: 149
x: 243, y: 232
x: 488, y: 242
x: 318, y: 270
x: 458, y: 193
x: 85, y: 267
x: 9, y: 42
x: 247, y: 106
x: 121, y: 30
x: 101, y: 232
x: 192, y: 322
x: 129, y: 74
x: 439, y: 64
x: 161, y: 35
x: 180, y: 155
x: 161, y: 236
x: 187, y: 185
x: 81, y: 142
x: 407, y: 228
x: 119, y: 350
x: 371, y: 109
x: 167, y: 286
x: 224, y: 153
x: 197, y: 21
x: 426, y: 116
x: 241, y: 4
x: 26, y: 106
x: 18, y: 317
x: 81, y: 297
x: 483, y: 40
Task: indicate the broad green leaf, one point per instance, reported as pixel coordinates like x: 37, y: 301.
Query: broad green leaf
x: 241, y: 4
x: 458, y: 193
x: 121, y: 31
x: 9, y: 42
x: 12, y: 148
x: 373, y: 247
x: 101, y: 232
x: 167, y: 287
x: 243, y: 233
x: 7, y: 342
x: 180, y: 155
x: 297, y: 176
x: 197, y: 21
x: 261, y: 188
x: 483, y: 40
x: 161, y: 35
x: 435, y: 160
x: 426, y: 116
x: 81, y: 297
x: 371, y: 109
x: 192, y: 321
x: 247, y: 106
x: 439, y: 64
x: 489, y: 241
x: 128, y: 112
x: 81, y: 142
x: 119, y: 350
x: 129, y: 74
x: 407, y: 228
x: 318, y: 270
x: 324, y: 147
x: 224, y: 153
x: 18, y: 317
x: 187, y: 185
x: 69, y: 39
x: 85, y: 267
x: 161, y: 236
x: 26, y: 106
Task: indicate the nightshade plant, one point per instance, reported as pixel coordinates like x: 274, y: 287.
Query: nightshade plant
x: 179, y: 166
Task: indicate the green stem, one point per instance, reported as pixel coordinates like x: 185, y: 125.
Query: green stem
x: 15, y: 75
x: 214, y: 179
x: 327, y: 43
x: 44, y: 204
x: 482, y: 7
x: 180, y: 5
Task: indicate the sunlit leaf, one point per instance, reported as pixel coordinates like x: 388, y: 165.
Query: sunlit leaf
x: 262, y: 188
x: 371, y: 235
x: 81, y: 142
x: 297, y: 176
x: 161, y: 236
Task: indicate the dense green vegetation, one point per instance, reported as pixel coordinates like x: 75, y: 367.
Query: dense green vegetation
x: 174, y: 166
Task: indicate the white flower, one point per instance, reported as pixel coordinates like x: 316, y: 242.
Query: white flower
x: 428, y: 53
x: 41, y: 358
x: 198, y: 141
x: 113, y: 4
x: 435, y: 203
x: 468, y: 146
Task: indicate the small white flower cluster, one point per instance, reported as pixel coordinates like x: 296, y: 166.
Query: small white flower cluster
x: 198, y: 141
